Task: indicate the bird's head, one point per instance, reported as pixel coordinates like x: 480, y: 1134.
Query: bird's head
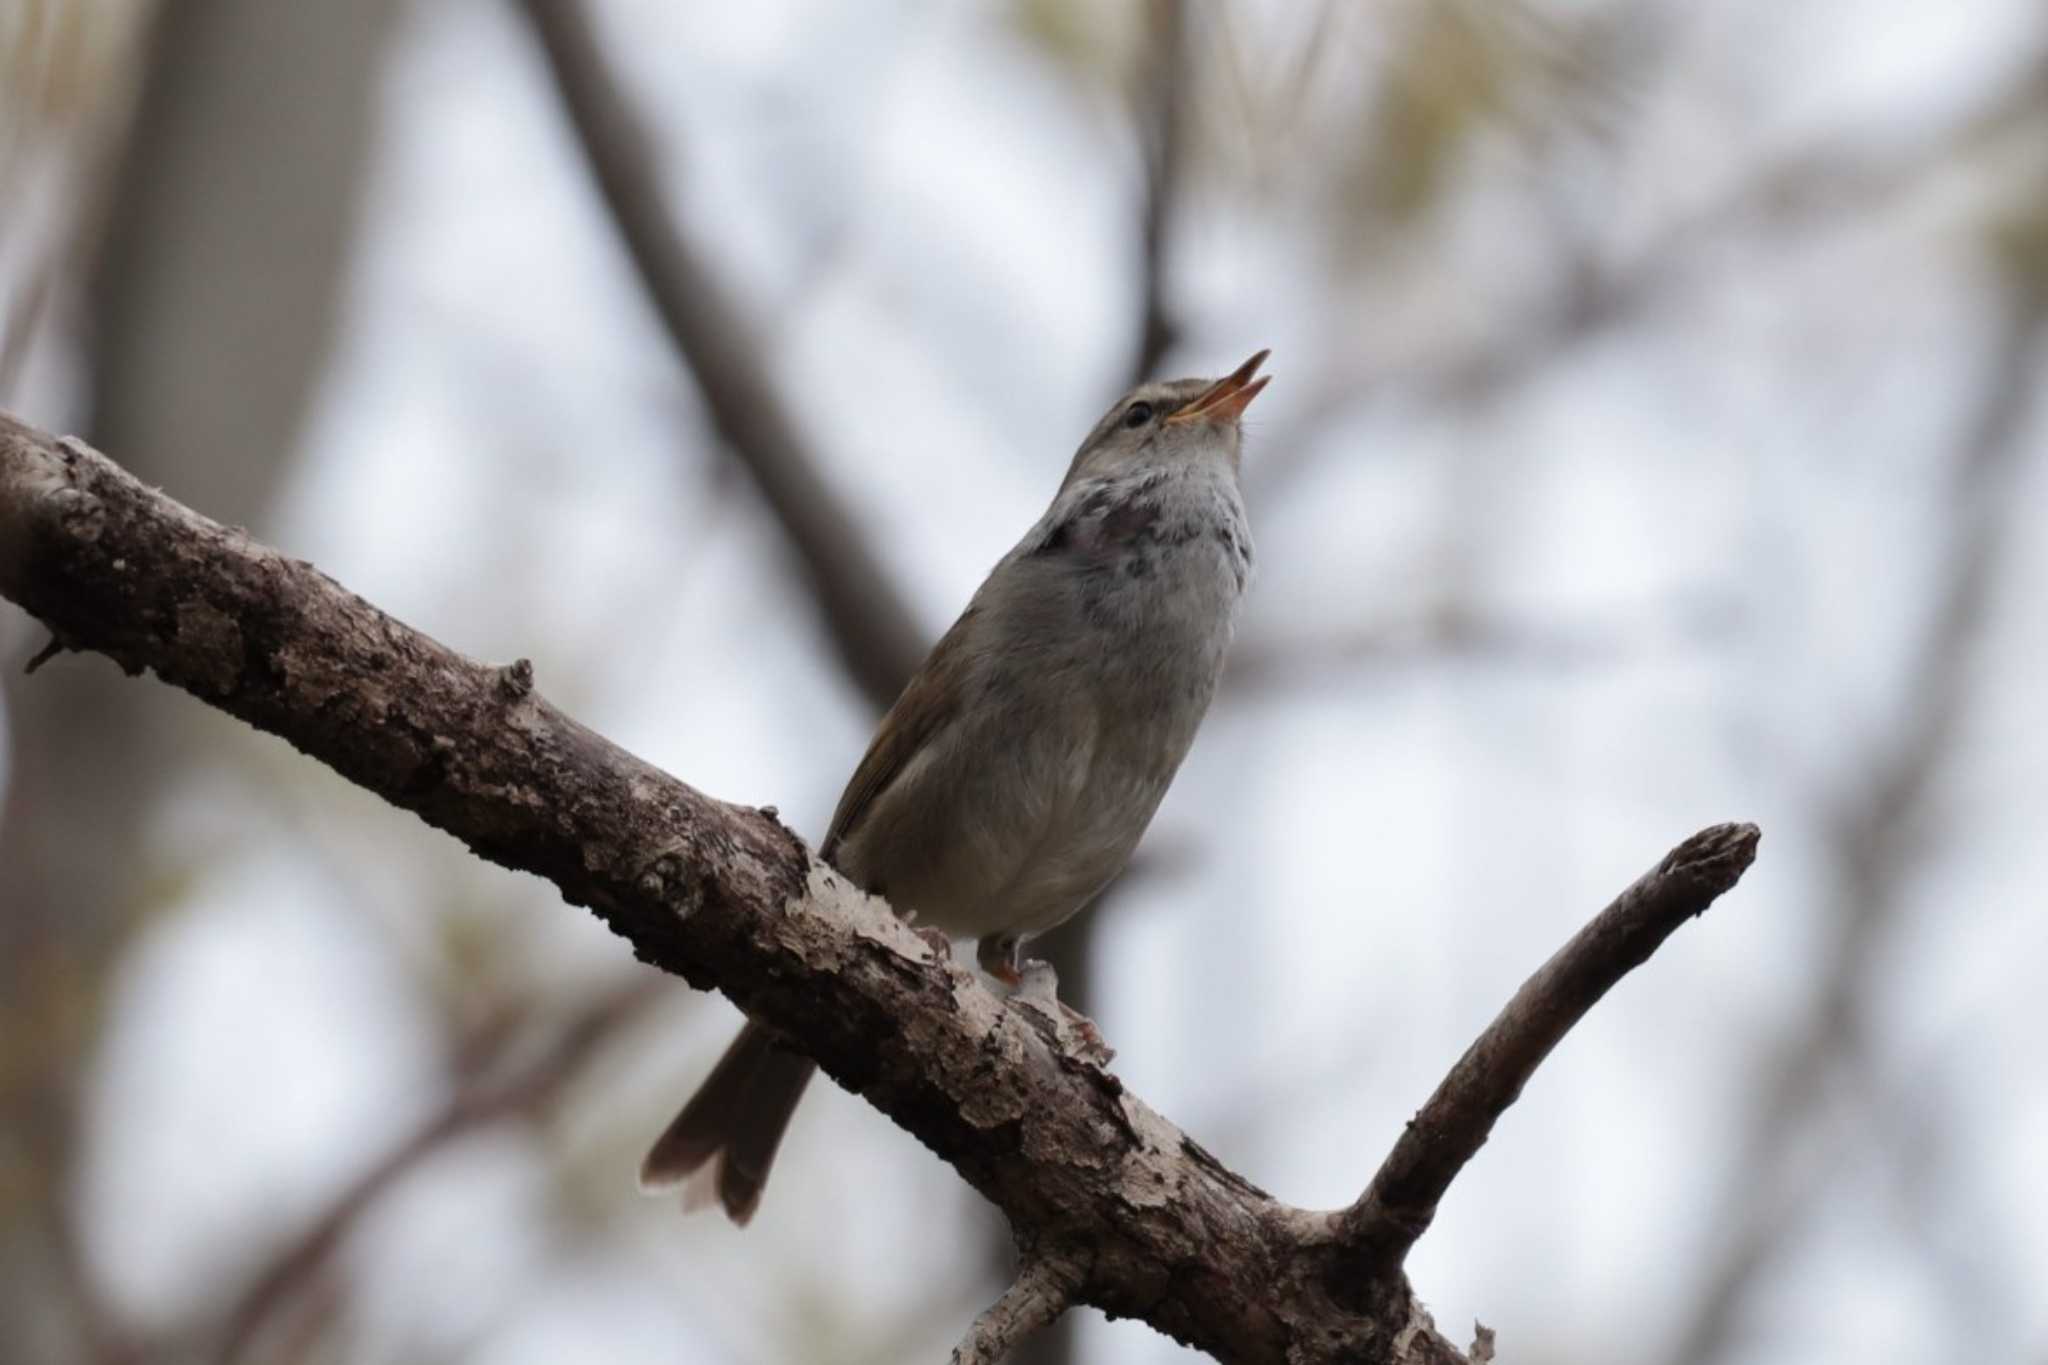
x: 1170, y: 421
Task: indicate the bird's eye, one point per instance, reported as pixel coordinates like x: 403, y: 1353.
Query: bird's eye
x: 1137, y: 414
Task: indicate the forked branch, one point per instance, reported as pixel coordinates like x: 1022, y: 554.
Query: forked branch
x: 723, y: 896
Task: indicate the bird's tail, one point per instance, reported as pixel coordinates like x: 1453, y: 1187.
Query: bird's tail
x: 724, y: 1140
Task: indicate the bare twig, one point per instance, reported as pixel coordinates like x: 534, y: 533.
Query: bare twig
x: 1043, y: 1289
x: 866, y: 618
x: 1449, y: 1130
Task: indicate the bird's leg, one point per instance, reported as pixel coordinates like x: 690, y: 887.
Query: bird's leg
x: 997, y: 955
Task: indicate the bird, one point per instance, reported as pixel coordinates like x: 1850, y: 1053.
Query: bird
x: 1020, y: 766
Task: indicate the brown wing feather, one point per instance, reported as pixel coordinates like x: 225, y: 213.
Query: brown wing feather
x: 928, y: 701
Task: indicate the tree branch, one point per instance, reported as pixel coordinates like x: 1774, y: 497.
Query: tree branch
x: 1044, y: 1289
x: 725, y: 897
x: 1398, y: 1206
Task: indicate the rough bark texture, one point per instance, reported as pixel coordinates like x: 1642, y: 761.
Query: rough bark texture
x: 1144, y: 1222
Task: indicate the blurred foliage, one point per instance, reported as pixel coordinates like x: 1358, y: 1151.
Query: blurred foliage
x: 63, y: 60
x: 1460, y: 70
x: 2018, y: 237
x: 1102, y: 45
x: 56, y: 56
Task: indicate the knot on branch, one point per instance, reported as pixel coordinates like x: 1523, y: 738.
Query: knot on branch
x: 667, y: 879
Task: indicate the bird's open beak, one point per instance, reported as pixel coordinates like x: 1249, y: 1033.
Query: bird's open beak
x: 1228, y: 397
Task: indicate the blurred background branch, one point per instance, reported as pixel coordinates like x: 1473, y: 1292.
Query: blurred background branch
x: 1878, y: 825
x: 193, y: 294
x: 482, y: 1094
x: 867, y: 620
